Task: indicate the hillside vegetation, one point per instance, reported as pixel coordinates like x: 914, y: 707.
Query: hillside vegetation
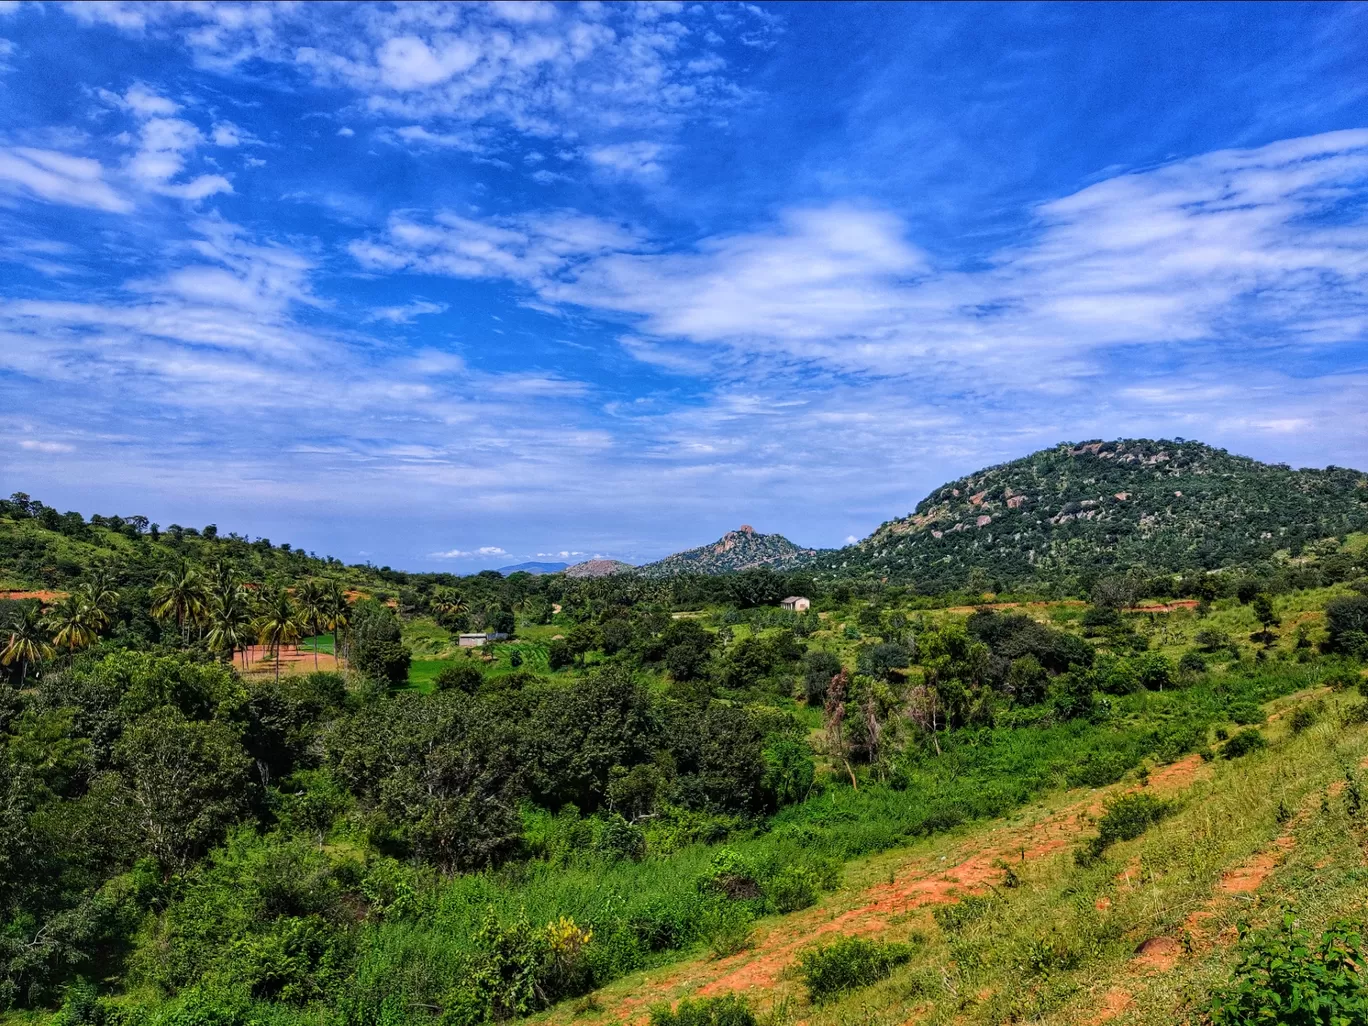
x: 1076, y: 511
x: 648, y: 772
x: 742, y: 549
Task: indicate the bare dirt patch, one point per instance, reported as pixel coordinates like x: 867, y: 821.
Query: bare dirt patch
x: 1114, y: 1002
x: 1158, y: 954
x: 41, y: 596
x: 261, y: 662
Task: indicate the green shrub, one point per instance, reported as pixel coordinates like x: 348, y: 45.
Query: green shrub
x: 1127, y: 816
x: 1098, y: 769
x: 792, y: 888
x: 464, y: 677
x: 1192, y: 663
x: 1245, y: 713
x: 848, y: 964
x: 1243, y: 743
x: 729, y: 1010
x: 1303, y: 719
x: 954, y: 918
x: 731, y: 874
x: 1288, y: 977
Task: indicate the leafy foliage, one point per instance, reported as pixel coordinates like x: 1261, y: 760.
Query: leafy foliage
x: 1287, y: 976
x: 1079, y: 512
x: 850, y: 963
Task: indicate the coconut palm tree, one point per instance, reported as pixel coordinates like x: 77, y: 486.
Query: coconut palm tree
x: 100, y: 594
x: 230, y: 622
x: 448, y: 604
x: 278, y: 624
x: 26, y: 641
x: 339, y: 617
x: 179, y: 595
x: 312, y: 599
x: 73, y: 622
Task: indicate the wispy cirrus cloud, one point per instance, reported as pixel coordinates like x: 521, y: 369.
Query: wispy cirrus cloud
x: 59, y: 178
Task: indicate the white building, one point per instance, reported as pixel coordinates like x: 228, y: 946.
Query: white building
x: 476, y: 640
x: 796, y: 604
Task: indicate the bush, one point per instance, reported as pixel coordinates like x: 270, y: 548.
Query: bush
x: 1126, y: 817
x: 848, y: 964
x: 1155, y: 672
x: 729, y: 1010
x: 1243, y: 743
x: 730, y: 874
x: 792, y: 888
x: 819, y: 666
x: 462, y: 677
x: 1302, y: 719
x: 1288, y: 977
x: 1346, y: 623
x: 1192, y: 663
x: 954, y: 918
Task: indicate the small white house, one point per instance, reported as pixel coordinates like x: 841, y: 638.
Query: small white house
x: 796, y: 604
x: 476, y: 640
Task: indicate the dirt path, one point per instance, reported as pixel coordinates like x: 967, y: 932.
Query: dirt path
x: 971, y: 867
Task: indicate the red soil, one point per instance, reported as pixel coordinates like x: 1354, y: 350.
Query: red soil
x: 261, y: 662
x: 41, y: 596
x: 919, y: 884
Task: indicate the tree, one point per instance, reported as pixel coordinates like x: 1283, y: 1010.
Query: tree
x: 448, y: 605
x: 100, y: 593
x: 312, y: 600
x: 339, y: 619
x: 1267, y: 617
x: 581, y: 731
x: 27, y: 642
x: 179, y: 595
x: 819, y: 666
x: 376, y: 644
x: 186, y: 782
x: 278, y: 625
x: 230, y: 623
x: 73, y: 623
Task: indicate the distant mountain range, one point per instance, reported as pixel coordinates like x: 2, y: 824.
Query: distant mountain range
x: 742, y: 549
x: 533, y: 568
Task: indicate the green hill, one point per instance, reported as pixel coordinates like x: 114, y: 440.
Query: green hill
x: 42, y: 548
x: 1075, y: 511
x: 742, y: 549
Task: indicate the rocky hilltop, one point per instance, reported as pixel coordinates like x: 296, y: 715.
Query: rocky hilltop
x: 599, y: 568
x: 1079, y: 509
x: 742, y: 549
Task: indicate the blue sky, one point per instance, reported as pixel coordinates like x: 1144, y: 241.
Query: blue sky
x: 456, y: 286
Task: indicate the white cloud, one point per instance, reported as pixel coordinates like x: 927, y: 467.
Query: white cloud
x: 527, y: 249
x: 483, y: 551
x: 408, y: 313
x: 226, y: 133
x: 573, y: 72
x: 634, y: 158
x: 1223, y: 249
x: 49, y: 448
x: 345, y: 132
x: 59, y: 178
